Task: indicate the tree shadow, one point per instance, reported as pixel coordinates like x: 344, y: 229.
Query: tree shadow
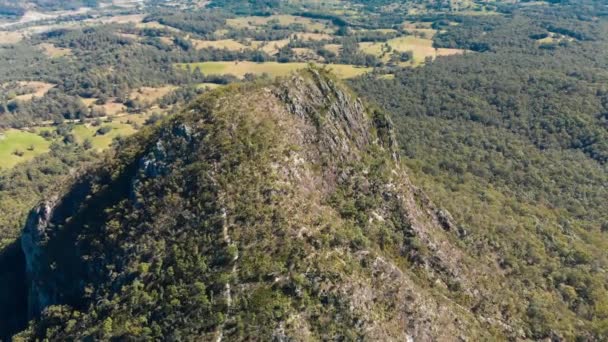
x: 13, y: 291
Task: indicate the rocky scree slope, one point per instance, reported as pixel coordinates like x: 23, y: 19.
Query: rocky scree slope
x: 263, y: 211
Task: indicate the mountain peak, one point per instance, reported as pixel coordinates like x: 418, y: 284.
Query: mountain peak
x: 274, y: 210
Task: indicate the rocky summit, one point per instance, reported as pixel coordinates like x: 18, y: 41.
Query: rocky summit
x: 269, y: 210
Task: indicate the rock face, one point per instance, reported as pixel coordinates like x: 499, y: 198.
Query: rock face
x: 275, y: 211
x: 33, y: 238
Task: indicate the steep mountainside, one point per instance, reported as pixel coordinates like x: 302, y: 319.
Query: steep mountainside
x: 261, y: 211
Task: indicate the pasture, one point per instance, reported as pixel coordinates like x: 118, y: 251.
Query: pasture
x: 274, y: 69
x: 228, y: 44
x: 37, y: 89
x: 313, y: 25
x: 102, y: 141
x: 17, y: 146
x: 10, y: 37
x: 54, y: 51
x: 420, y: 47
x: 150, y: 95
x: 208, y: 85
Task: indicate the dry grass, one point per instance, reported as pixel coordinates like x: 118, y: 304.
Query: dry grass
x: 156, y: 25
x: 253, y: 21
x: 305, y: 53
x: 228, y: 44
x: 420, y: 29
x: 420, y: 47
x: 208, y: 85
x: 88, y: 102
x: 150, y: 95
x: 46, y: 28
x: 240, y: 69
x: 335, y: 48
x: 54, y: 51
x: 111, y: 108
x: 272, y: 47
x: 122, y: 19
x: 128, y: 36
x: 38, y: 89
x: 166, y: 40
x: 9, y: 37
x: 313, y: 36
x: 126, y: 3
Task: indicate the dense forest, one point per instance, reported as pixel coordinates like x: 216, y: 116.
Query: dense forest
x: 519, y: 133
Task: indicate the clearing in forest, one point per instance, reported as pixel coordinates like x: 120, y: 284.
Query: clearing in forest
x: 271, y: 47
x: 120, y: 19
x: 150, y: 95
x: 17, y: 146
x: 228, y: 44
x: 273, y: 69
x: 313, y: 25
x: 156, y: 25
x: 420, y: 47
x: 10, y: 37
x: 335, y: 48
x: 35, y: 89
x: 208, y: 85
x: 54, y: 51
x: 101, y: 141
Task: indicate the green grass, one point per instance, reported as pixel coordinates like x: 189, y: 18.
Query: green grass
x: 102, y: 141
x: 32, y: 144
x: 271, y: 68
x: 420, y: 47
x: 13, y: 140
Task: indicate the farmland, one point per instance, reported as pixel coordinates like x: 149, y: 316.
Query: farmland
x: 100, y: 141
x: 314, y: 25
x: 240, y: 69
x: 421, y: 48
x: 17, y: 146
x: 33, y: 89
x: 228, y: 44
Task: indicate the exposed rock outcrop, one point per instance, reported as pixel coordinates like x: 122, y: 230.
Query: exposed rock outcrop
x: 270, y: 211
x: 33, y: 238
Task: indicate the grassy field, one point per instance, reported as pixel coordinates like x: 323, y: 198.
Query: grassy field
x: 335, y: 48
x: 38, y: 89
x: 150, y: 95
x: 546, y: 40
x: 271, y: 47
x: 30, y: 144
x: 253, y: 21
x: 156, y: 25
x: 312, y: 36
x: 8, y: 37
x: 54, y: 51
x: 120, y: 19
x: 271, y: 68
x: 208, y: 85
x: 421, y: 48
x: 228, y: 44
x: 102, y: 141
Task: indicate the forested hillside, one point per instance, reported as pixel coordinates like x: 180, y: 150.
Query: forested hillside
x: 308, y: 170
x: 189, y: 230
x: 514, y: 142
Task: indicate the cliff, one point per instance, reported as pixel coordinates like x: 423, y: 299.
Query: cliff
x: 262, y: 211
